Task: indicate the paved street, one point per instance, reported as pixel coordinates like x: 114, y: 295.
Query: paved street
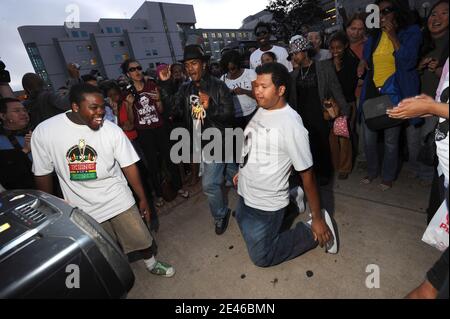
x: 375, y: 228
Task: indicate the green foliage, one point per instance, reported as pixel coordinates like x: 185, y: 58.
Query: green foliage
x: 291, y: 15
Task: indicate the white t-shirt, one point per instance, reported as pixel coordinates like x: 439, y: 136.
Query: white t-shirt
x: 274, y: 141
x: 243, y: 104
x: 88, y: 164
x: 280, y: 52
x: 442, y: 140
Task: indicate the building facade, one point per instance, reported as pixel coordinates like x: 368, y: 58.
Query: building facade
x: 155, y: 34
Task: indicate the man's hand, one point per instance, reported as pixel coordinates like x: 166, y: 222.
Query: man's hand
x: 204, y: 100
x: 144, y: 209
x: 165, y: 74
x: 321, y: 232
x: 239, y: 91
x: 27, y: 146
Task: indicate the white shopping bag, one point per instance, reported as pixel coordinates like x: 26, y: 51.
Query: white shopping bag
x: 436, y: 233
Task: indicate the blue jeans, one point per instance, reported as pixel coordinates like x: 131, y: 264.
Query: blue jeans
x: 391, y: 148
x: 213, y: 188
x: 265, y: 244
x: 414, y: 136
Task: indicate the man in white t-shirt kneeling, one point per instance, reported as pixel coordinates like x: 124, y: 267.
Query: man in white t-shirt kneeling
x: 95, y: 162
x: 274, y: 141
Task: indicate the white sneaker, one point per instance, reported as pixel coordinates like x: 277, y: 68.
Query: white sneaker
x: 331, y: 246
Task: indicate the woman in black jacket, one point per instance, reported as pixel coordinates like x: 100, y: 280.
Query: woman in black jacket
x: 314, y: 87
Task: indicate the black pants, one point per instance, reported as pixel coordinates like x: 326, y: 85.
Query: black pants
x: 156, y: 148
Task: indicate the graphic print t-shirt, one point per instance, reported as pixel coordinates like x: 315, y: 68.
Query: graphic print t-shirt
x: 442, y: 139
x: 88, y: 164
x: 146, y: 116
x: 243, y: 104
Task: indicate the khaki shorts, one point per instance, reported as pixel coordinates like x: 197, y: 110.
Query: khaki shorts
x: 129, y: 230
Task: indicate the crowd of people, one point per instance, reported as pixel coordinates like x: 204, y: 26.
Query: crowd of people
x: 306, y: 100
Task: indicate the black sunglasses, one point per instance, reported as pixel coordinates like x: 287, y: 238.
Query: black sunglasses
x: 387, y: 11
x: 132, y: 69
x: 261, y: 33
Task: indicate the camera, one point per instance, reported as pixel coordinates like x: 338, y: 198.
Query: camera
x: 4, y: 75
x: 130, y: 89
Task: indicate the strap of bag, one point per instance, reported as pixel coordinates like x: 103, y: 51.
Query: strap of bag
x: 15, y: 143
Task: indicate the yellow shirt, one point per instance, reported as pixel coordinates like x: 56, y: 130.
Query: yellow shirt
x: 383, y: 61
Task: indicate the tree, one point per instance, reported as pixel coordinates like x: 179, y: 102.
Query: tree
x: 291, y: 15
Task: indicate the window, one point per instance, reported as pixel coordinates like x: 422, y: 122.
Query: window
x: 121, y: 43
x: 155, y: 52
x: 114, y: 44
x: 227, y: 35
x: 233, y: 35
x: 213, y: 35
x: 75, y: 34
x: 205, y: 35
x: 240, y: 34
x: 80, y: 48
x: 118, y: 29
x: 219, y: 35
x: 89, y: 47
x: 109, y: 30
x: 84, y: 34
x: 93, y: 61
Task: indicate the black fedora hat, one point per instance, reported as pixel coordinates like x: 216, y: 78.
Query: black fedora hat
x: 194, y: 52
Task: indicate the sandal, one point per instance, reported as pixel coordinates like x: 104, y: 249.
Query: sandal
x: 367, y: 180
x: 183, y: 193
x: 384, y: 186
x: 159, y: 202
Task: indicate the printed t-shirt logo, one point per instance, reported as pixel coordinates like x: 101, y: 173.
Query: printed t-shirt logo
x: 82, y: 162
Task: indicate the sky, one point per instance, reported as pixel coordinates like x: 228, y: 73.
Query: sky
x: 15, y: 13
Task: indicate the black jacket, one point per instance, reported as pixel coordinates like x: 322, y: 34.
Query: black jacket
x: 46, y: 105
x: 220, y: 113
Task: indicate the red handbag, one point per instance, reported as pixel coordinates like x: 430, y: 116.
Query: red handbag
x: 340, y: 127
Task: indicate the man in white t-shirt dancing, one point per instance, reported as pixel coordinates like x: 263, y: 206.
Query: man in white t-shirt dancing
x: 91, y: 157
x: 274, y: 141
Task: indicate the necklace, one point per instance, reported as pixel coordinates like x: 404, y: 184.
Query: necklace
x: 303, y: 76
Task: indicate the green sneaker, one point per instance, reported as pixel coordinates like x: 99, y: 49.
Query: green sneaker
x: 163, y: 269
